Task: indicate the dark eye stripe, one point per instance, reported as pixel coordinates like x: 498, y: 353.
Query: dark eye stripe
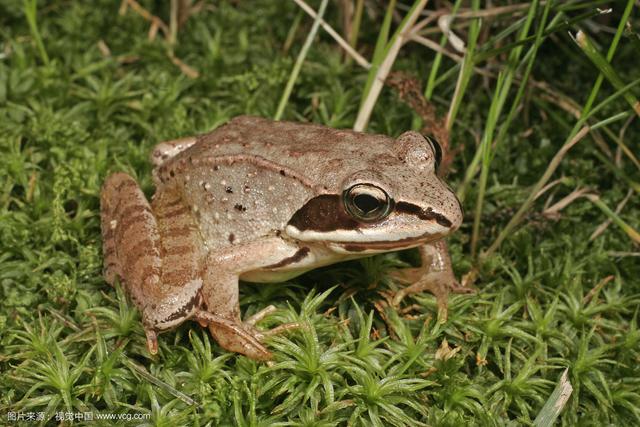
x: 426, y: 214
x: 323, y: 213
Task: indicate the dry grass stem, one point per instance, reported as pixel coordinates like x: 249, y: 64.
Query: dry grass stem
x: 623, y: 254
x: 186, y: 69
x: 437, y: 48
x: 494, y: 11
x: 602, y: 227
x: 420, y: 25
x: 179, y: 12
x: 342, y: 42
x: 104, y: 49
x: 587, y: 298
x: 553, y: 212
x: 155, y: 21
x: 548, y: 187
x: 444, y: 23
x: 485, y: 13
x: 553, y: 165
x: 385, y: 67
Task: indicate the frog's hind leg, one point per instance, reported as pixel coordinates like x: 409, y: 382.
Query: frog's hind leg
x: 434, y: 275
x: 135, y: 252
x: 131, y: 243
x: 129, y: 234
x: 182, y: 251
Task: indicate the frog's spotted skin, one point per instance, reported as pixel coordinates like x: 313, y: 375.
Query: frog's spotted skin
x: 264, y: 201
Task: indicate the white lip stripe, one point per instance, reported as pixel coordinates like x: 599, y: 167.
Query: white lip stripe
x: 338, y: 248
x: 364, y: 236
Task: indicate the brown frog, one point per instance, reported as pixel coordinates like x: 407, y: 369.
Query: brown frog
x: 265, y: 201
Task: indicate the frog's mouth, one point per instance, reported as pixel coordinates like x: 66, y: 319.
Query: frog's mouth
x: 383, y: 246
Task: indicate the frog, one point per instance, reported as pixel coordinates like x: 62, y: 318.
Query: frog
x: 264, y: 201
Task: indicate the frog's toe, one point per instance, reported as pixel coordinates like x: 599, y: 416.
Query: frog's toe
x: 280, y: 329
x: 431, y: 282
x: 152, y: 341
x: 235, y: 336
x: 407, y: 275
x: 242, y: 337
x: 252, y: 320
x: 458, y: 288
x: 261, y: 334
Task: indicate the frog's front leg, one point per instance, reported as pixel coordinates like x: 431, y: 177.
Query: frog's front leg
x: 435, y: 275
x: 220, y: 294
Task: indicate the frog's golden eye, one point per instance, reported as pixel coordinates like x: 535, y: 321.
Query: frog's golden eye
x: 437, y: 149
x: 367, y: 202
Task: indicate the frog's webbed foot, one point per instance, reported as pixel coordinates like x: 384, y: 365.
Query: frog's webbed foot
x: 234, y: 336
x: 435, y: 275
x: 242, y: 337
x: 421, y: 280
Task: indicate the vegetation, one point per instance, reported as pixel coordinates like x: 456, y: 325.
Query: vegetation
x: 541, y: 102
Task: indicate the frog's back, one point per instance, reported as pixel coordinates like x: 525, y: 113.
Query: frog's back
x: 247, y: 178
x: 319, y: 153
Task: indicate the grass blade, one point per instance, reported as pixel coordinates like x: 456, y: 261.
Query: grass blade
x: 631, y: 232
x: 431, y: 81
x: 378, y: 75
x: 482, y: 56
x: 140, y: 370
x: 610, y: 53
x: 30, y: 11
x: 381, y: 42
x: 519, y: 215
x: 555, y: 403
x: 300, y: 60
x: 605, y: 68
x: 503, y: 87
x: 467, y: 69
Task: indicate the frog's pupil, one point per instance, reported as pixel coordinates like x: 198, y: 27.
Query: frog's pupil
x: 366, y: 203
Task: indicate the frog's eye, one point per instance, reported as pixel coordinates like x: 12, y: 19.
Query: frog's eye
x: 437, y: 150
x: 367, y: 202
